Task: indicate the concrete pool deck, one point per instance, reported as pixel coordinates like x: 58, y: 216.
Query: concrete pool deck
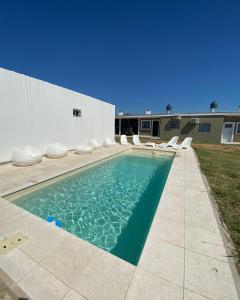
x: 184, y: 256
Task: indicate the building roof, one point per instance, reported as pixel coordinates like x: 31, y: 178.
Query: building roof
x: 194, y: 114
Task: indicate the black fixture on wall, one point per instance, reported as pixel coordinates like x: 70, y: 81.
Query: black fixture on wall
x: 77, y: 112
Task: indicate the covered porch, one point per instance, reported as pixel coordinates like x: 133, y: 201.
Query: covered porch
x: 135, y: 125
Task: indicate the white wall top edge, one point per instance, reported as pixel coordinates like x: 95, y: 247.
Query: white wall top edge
x: 56, y: 85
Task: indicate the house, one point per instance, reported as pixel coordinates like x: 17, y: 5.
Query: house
x: 212, y: 127
x: 36, y: 113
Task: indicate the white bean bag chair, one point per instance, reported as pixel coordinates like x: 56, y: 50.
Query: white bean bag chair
x: 84, y: 149
x: 96, y: 144
x: 107, y: 143
x: 26, y: 156
x: 56, y: 150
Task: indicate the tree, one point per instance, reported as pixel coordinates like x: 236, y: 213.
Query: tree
x: 213, y: 106
x: 169, y: 108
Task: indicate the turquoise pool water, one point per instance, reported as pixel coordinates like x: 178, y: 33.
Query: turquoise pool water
x: 111, y: 205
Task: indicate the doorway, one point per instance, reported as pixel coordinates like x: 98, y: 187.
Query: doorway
x: 155, y: 128
x: 228, y: 131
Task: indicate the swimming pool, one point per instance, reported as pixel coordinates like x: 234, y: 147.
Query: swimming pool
x: 110, y: 205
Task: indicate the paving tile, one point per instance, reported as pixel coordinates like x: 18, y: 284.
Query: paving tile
x: 8, y: 210
x: 199, y: 198
x: 173, y: 199
x: 68, y: 261
x: 169, y: 231
x: 41, y: 285
x: 16, y: 264
x: 25, y: 223
x: 72, y: 295
x: 169, y: 210
x: 43, y: 241
x: 174, y: 186
x: 197, y: 184
x: 195, y: 217
x: 196, y: 204
x: 147, y: 286
x: 190, y: 295
x: 205, y: 242
x: 163, y: 259
x: 106, y: 277
x: 209, y: 277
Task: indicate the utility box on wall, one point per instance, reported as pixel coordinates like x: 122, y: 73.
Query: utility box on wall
x: 194, y: 121
x: 176, y: 117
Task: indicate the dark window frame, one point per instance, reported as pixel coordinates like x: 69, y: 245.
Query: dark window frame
x: 205, y: 127
x: 146, y: 128
x: 175, y: 124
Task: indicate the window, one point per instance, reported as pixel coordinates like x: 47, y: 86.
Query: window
x: 238, y: 128
x: 77, y: 112
x: 175, y: 124
x: 145, y: 124
x: 204, y: 127
x: 228, y: 125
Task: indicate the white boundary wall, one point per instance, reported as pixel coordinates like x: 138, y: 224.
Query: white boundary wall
x: 36, y: 113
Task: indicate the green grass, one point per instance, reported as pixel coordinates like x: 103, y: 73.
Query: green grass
x: 221, y: 165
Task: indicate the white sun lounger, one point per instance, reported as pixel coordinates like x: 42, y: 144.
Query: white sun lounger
x: 185, y: 144
x: 136, y: 141
x: 123, y: 140
x: 171, y: 143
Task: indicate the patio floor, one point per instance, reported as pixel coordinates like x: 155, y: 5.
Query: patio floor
x: 184, y: 256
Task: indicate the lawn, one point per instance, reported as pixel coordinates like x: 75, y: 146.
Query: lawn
x: 221, y: 165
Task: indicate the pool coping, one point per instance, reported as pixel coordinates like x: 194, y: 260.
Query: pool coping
x: 154, y: 276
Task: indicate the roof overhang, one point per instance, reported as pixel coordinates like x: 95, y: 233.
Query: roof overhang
x: 153, y: 116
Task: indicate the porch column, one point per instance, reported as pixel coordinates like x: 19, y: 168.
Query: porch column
x: 120, y: 127
x: 138, y: 126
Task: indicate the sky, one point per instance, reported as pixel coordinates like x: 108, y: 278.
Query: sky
x: 135, y: 54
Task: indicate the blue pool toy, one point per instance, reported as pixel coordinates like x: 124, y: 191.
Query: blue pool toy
x: 58, y: 223
x: 50, y: 219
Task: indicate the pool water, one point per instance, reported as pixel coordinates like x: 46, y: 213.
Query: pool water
x: 111, y: 205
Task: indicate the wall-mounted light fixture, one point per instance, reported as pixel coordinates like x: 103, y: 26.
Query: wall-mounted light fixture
x: 77, y: 112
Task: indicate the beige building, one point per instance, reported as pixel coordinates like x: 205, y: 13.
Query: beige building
x: 202, y: 127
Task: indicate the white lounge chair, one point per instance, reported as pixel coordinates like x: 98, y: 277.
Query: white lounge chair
x: 171, y: 143
x: 136, y: 141
x: 107, y: 143
x: 185, y: 144
x: 123, y: 140
x: 96, y: 144
x: 26, y: 156
x: 56, y: 150
x: 83, y: 149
